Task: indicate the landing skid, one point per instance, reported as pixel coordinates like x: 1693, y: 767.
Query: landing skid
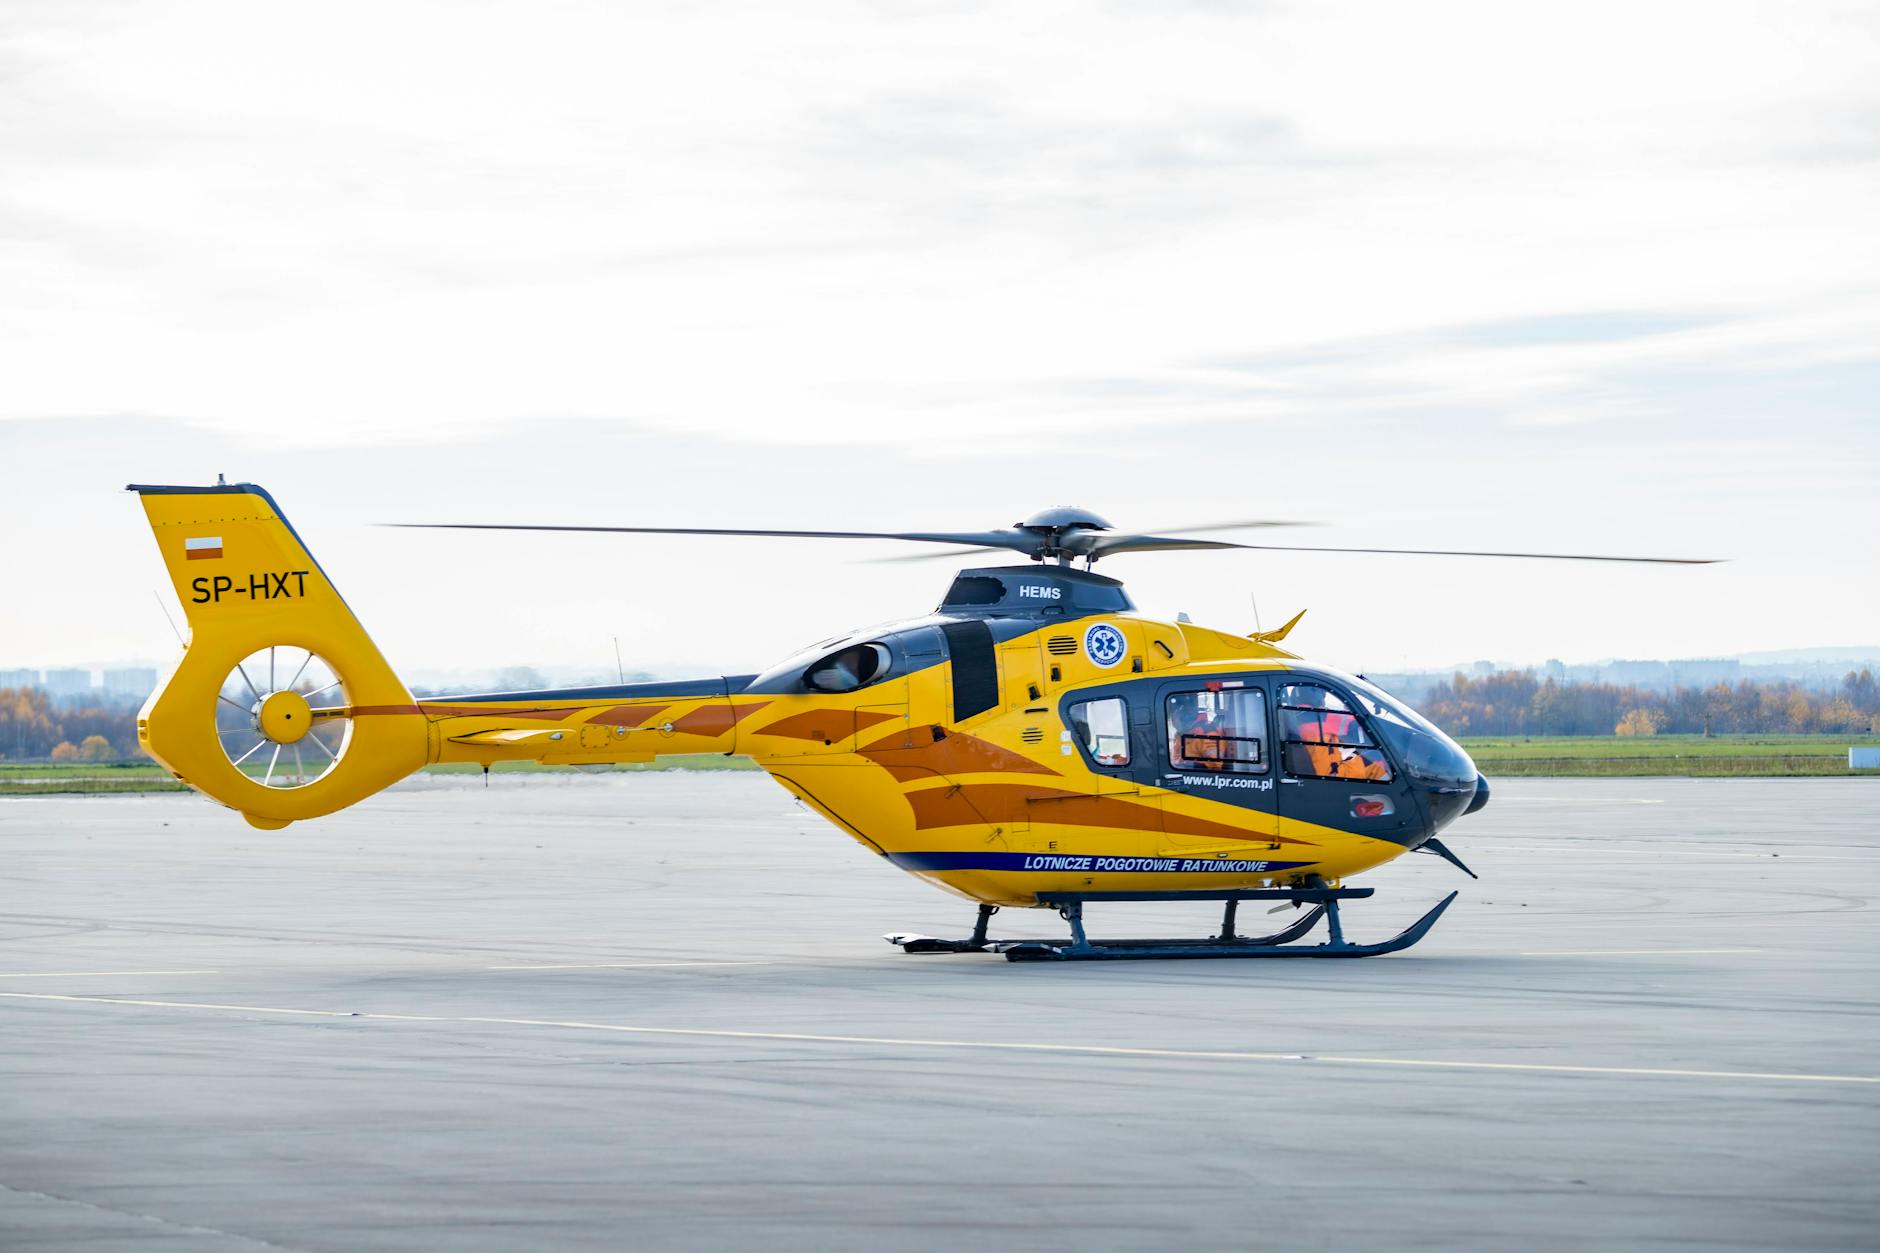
x: 1078, y: 947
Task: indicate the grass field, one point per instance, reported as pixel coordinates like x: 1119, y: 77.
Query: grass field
x: 1607, y: 756
x: 30, y: 778
x: 1746, y: 756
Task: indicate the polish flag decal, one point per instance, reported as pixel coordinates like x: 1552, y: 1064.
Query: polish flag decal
x: 203, y: 548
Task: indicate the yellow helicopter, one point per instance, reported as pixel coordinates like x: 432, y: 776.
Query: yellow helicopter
x: 1033, y: 742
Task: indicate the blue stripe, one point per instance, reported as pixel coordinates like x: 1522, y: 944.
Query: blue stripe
x: 1088, y: 862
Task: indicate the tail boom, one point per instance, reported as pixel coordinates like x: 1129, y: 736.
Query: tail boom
x: 635, y: 722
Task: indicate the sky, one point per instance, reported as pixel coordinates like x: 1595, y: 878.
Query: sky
x: 1573, y: 277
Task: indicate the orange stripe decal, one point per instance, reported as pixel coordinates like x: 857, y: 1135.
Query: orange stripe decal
x: 957, y: 754
x: 494, y: 711
x: 715, y: 718
x: 825, y: 726
x: 628, y: 715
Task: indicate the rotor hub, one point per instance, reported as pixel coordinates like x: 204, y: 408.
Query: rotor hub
x: 1064, y: 533
x: 284, y: 717
x: 1063, y: 518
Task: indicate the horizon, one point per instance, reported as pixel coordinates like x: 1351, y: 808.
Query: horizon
x: 1854, y: 655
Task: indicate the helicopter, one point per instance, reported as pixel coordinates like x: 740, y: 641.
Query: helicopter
x: 1034, y: 742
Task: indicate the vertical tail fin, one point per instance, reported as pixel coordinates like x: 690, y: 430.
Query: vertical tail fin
x: 281, y: 706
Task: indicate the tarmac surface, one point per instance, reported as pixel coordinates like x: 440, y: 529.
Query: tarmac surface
x: 653, y: 1011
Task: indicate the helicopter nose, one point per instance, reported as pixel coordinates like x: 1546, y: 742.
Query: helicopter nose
x: 1481, y: 794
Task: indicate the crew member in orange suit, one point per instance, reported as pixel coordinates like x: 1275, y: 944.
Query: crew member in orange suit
x: 1201, y: 743
x: 1333, y: 741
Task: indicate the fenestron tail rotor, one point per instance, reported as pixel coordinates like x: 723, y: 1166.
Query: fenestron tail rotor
x: 282, y: 716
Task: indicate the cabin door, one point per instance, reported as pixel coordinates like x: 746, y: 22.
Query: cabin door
x: 1214, y: 753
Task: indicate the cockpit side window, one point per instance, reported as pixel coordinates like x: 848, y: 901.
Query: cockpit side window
x: 1102, y: 727
x: 1321, y: 737
x: 854, y: 667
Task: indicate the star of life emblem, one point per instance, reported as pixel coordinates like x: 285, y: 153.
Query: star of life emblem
x: 1104, y: 644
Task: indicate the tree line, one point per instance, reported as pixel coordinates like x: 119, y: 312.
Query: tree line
x: 33, y: 729
x: 1515, y: 702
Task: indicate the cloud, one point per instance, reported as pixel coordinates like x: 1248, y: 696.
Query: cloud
x: 1573, y: 328
x: 1592, y: 269
x: 793, y: 226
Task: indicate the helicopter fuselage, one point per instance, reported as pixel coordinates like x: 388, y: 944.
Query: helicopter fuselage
x: 1036, y: 735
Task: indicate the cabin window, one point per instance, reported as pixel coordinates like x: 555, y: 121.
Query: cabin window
x: 1322, y: 737
x: 853, y: 667
x: 1222, y: 729
x: 1102, y: 727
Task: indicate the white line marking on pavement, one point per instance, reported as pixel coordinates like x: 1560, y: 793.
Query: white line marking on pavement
x: 1099, y: 1050
x: 1592, y: 847
x: 1632, y: 952
x: 103, y: 974
x: 627, y: 965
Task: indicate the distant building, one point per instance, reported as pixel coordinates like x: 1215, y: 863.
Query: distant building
x: 68, y: 683
x: 1485, y: 667
x: 1555, y: 669
x: 19, y: 678
x: 138, y: 681
x: 1413, y: 687
x: 1706, y: 671
x: 1648, y: 674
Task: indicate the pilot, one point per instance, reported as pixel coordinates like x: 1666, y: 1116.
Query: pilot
x: 1338, y: 727
x: 1359, y: 760
x: 1334, y: 744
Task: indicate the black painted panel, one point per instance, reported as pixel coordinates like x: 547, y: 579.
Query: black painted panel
x: 975, y: 668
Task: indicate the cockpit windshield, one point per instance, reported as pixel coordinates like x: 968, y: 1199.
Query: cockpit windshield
x: 1426, y: 753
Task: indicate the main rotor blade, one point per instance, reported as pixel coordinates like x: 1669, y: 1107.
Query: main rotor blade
x: 978, y: 539
x: 945, y: 554
x: 1104, y: 545
x: 1082, y: 543
x: 1451, y: 552
x: 1251, y: 525
x: 1097, y: 543
x: 1109, y: 545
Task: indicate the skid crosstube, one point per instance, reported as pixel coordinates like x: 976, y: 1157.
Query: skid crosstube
x: 1078, y: 947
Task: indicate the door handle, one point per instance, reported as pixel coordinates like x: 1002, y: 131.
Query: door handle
x: 1292, y: 782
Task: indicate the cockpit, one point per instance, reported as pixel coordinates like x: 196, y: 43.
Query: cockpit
x: 1424, y: 753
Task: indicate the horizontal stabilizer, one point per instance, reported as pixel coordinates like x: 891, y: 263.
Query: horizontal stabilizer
x: 1275, y: 636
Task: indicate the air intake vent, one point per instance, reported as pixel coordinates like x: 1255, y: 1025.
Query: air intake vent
x: 1032, y: 735
x: 975, y: 668
x: 1060, y: 646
